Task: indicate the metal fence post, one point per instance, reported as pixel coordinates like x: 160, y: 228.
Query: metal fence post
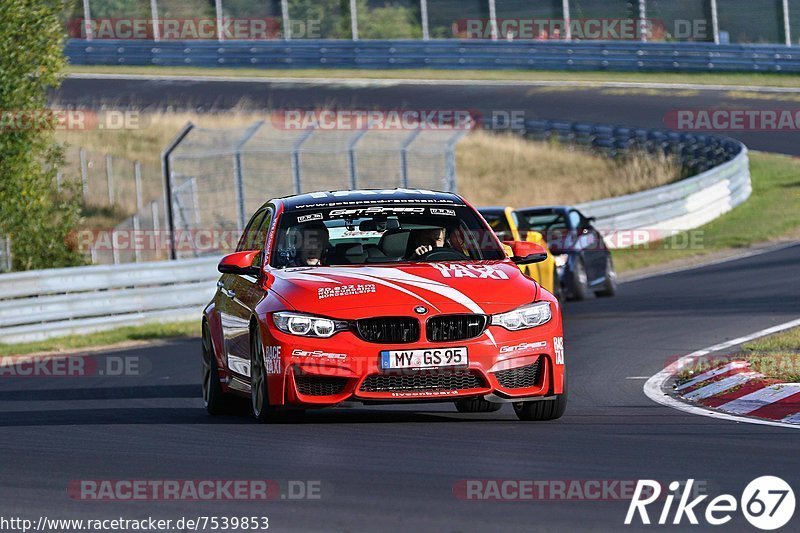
x: 404, y: 156
x: 354, y: 20
x: 154, y: 19
x: 9, y: 258
x: 567, y: 20
x: 787, y: 28
x: 59, y: 177
x: 643, y: 20
x: 156, y: 229
x: 137, y: 176
x: 287, y: 22
x: 715, y: 20
x: 238, y: 176
x: 110, y: 179
x: 450, y: 162
x: 423, y: 8
x: 166, y: 173
x: 351, y: 156
x: 493, y: 19
x: 296, y: 174
x: 87, y: 21
x: 84, y: 175
x: 137, y: 253
x: 220, y: 26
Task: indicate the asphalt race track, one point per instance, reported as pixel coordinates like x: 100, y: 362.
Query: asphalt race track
x: 394, y: 468
x: 641, y: 107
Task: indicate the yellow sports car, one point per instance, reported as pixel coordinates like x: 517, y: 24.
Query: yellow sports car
x: 503, y: 220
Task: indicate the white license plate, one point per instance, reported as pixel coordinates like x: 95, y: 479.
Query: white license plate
x: 426, y: 358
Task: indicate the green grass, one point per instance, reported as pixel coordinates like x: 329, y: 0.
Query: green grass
x: 781, y: 342
x: 776, y: 356
x: 746, y: 79
x: 105, y: 338
x: 771, y: 213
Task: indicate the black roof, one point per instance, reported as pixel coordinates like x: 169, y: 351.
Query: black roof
x: 545, y: 208
x: 368, y: 196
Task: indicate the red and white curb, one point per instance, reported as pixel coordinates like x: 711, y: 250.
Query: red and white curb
x: 733, y: 391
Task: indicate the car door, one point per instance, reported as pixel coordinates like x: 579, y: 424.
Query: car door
x: 589, y: 241
x: 241, y: 294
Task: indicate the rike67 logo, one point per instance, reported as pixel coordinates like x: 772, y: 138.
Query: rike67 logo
x: 767, y: 503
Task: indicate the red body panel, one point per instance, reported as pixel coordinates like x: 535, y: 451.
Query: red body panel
x: 392, y: 290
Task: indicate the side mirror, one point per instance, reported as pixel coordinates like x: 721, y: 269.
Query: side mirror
x: 526, y: 253
x: 240, y: 263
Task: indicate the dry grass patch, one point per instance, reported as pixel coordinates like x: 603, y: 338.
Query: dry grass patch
x: 510, y: 170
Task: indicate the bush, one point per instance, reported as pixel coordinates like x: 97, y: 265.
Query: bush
x: 38, y: 220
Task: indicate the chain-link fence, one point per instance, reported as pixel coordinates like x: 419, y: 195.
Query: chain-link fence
x: 720, y: 21
x: 218, y: 178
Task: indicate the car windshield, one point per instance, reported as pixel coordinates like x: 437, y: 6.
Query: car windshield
x: 382, y: 233
x: 542, y: 221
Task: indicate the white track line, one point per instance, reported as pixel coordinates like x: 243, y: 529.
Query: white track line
x: 378, y: 82
x: 758, y: 399
x: 654, y: 387
x: 792, y: 419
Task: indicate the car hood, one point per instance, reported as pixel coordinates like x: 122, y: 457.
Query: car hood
x: 358, y: 291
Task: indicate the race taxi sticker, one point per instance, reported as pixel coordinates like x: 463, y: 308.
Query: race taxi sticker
x: 524, y: 347
x: 309, y: 218
x: 443, y: 212
x: 272, y: 359
x: 345, y: 290
x: 558, y: 348
x: 455, y: 270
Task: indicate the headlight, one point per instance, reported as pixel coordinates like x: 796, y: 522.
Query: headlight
x: 307, y: 325
x: 561, y: 259
x: 527, y: 316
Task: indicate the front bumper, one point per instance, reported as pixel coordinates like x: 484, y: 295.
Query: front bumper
x: 503, y: 366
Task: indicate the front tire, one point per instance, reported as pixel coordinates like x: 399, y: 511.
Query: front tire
x: 259, y: 392
x: 580, y: 281
x: 259, y: 398
x: 610, y: 283
x: 543, y: 410
x: 477, y: 405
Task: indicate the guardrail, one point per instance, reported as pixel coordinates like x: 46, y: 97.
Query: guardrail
x: 41, y: 304
x: 718, y: 168
x: 48, y: 303
x: 445, y: 54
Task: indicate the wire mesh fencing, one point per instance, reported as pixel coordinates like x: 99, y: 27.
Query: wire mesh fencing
x: 218, y: 178
x: 720, y: 21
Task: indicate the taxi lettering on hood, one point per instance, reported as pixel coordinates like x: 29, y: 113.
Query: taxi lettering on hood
x: 455, y: 270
